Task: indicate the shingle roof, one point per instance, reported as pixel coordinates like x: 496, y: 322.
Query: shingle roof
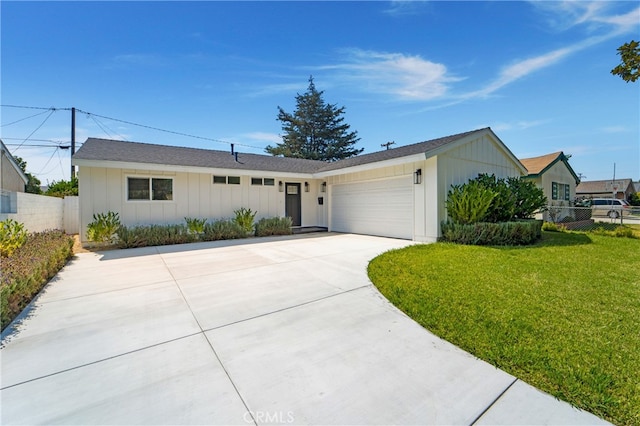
x: 135, y: 152
x: 538, y: 165
x: 402, y: 151
x: 535, y: 165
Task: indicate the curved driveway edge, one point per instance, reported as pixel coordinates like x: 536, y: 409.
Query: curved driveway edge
x: 283, y: 330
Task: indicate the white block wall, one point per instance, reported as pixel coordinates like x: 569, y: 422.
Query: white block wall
x: 38, y: 212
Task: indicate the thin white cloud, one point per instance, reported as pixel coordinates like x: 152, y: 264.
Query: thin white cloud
x: 405, y: 77
x: 615, y: 129
x: 261, y: 137
x: 562, y: 15
x: 405, y: 7
x: 517, y: 125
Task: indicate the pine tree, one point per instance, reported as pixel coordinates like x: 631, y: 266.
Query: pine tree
x: 316, y: 130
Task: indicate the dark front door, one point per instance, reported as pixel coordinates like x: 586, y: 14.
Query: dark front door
x: 292, y: 203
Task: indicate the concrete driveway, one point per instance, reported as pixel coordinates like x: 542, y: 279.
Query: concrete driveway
x: 285, y: 330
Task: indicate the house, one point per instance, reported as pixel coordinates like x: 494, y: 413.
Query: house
x: 12, y: 180
x: 618, y: 188
x: 12, y: 177
x: 396, y: 193
x: 554, y: 175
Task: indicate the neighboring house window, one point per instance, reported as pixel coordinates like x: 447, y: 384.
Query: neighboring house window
x: 231, y: 180
x: 155, y: 189
x: 560, y: 191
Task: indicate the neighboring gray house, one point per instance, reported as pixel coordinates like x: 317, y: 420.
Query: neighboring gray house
x: 553, y: 174
x: 12, y: 180
x: 620, y: 189
x: 396, y: 193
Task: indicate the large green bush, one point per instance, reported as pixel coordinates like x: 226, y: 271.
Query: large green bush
x: 469, y: 203
x: 29, y: 269
x: 513, y: 198
x: 223, y: 230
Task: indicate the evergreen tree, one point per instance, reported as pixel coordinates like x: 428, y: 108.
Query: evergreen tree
x: 316, y: 130
x: 629, y: 68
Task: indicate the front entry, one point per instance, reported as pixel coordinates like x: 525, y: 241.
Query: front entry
x: 293, y: 204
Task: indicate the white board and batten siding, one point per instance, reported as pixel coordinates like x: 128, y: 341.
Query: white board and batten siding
x: 194, y: 195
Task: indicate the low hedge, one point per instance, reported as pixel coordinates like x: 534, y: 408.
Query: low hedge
x: 273, y: 226
x: 518, y: 233
x: 29, y: 269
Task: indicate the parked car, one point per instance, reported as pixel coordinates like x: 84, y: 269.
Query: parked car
x: 611, y: 207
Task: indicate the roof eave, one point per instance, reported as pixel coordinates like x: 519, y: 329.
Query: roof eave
x: 185, y: 169
x: 371, y: 166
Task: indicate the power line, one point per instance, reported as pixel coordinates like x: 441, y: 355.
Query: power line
x: 33, y: 107
x: 37, y: 128
x: 92, y: 115
x: 167, y: 131
x: 22, y: 119
x: 37, y: 140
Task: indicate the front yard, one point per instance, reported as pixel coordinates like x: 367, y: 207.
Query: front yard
x: 562, y: 315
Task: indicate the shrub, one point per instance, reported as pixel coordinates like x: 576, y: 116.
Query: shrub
x: 244, y: 218
x: 104, y: 227
x: 223, y: 230
x: 469, y: 203
x: 274, y: 226
x: 623, y: 232
x: 492, y: 234
x: 12, y: 237
x: 513, y: 198
x: 194, y: 225
x: 503, y: 205
x: 29, y: 269
x: 154, y: 235
x: 552, y: 227
x: 528, y: 197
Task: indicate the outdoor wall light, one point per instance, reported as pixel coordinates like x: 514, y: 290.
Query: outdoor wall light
x: 306, y: 187
x: 417, y: 177
x: 323, y: 187
x: 280, y: 186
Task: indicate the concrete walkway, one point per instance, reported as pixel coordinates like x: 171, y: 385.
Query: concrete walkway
x: 284, y: 330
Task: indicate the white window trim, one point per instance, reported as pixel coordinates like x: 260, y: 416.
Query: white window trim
x: 150, y: 177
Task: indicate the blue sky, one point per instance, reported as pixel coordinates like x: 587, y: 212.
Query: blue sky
x: 538, y: 73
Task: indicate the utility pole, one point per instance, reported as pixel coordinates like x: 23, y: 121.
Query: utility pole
x: 73, y: 140
x: 388, y: 144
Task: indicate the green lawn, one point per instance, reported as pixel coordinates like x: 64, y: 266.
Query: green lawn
x: 563, y: 315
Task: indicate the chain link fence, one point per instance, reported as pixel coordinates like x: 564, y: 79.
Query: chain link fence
x: 589, y: 218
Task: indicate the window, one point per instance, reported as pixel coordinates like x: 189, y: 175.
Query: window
x: 263, y: 181
x: 560, y: 191
x: 156, y: 189
x: 231, y: 180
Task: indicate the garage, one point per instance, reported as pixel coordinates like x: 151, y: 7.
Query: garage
x: 381, y: 207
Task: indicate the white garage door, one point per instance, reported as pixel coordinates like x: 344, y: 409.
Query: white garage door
x: 382, y: 207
